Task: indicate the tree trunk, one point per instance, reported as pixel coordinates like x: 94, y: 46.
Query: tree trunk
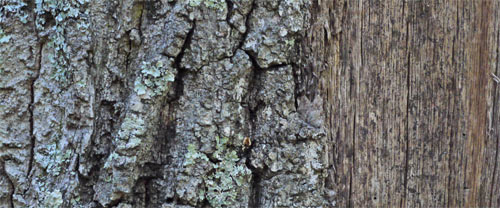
x: 249, y: 103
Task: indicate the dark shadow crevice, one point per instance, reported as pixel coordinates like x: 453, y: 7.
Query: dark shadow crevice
x: 253, y: 108
x: 229, y: 5
x: 178, y: 83
x: 31, y: 109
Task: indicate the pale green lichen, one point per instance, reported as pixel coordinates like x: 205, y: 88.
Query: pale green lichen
x: 132, y: 127
x: 53, y: 199
x: 213, y: 4
x: 61, y: 10
x: 229, y: 175
x: 224, y: 184
x: 131, y: 131
x: 290, y: 43
x: 153, y: 80
x: 15, y: 7
x: 110, y: 159
x: 194, y: 3
x: 193, y: 155
x: 53, y: 159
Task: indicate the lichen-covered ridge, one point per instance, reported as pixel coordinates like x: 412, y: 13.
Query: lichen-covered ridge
x: 167, y: 103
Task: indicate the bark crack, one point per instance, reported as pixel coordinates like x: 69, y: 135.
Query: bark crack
x: 255, y: 189
x: 13, y: 189
x: 140, y: 20
x: 253, y: 107
x: 31, y: 109
x: 181, y: 71
x: 229, y: 5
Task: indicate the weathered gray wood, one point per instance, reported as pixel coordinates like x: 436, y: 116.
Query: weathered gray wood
x: 411, y: 102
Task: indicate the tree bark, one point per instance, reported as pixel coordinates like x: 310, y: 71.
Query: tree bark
x: 249, y: 103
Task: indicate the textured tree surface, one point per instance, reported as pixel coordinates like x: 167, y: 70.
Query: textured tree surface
x: 249, y: 103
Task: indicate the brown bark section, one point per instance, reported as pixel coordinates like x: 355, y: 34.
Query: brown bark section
x: 412, y: 107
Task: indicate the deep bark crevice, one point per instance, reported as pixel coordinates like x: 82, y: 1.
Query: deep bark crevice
x: 253, y: 107
x: 88, y: 182
x: 205, y: 202
x: 255, y: 188
x: 146, y: 182
x: 31, y: 109
x: 178, y: 83
x: 229, y: 5
x: 139, y: 27
x: 166, y: 128
x: 13, y: 190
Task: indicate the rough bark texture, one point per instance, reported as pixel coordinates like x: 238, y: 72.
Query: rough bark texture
x: 157, y: 104
x: 249, y: 103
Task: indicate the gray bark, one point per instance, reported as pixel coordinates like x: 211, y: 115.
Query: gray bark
x: 171, y: 103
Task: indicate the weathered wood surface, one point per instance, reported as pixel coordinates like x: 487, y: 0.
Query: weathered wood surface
x: 412, y: 107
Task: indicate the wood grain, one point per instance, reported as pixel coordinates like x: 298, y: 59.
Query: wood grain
x: 410, y: 101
